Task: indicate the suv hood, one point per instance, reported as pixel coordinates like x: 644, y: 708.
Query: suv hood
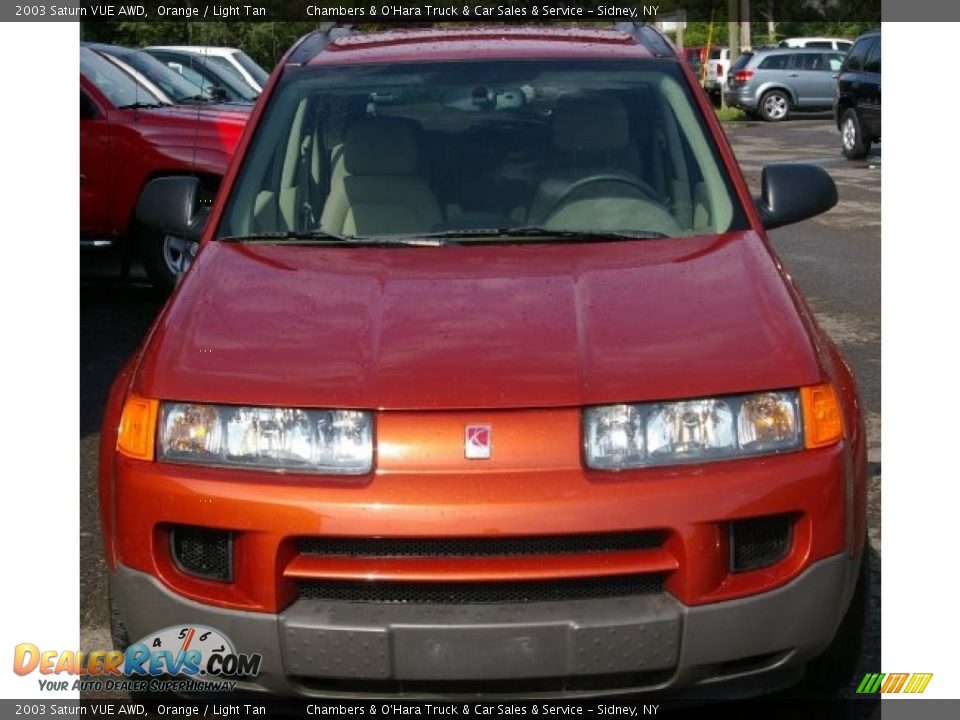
x: 493, y: 326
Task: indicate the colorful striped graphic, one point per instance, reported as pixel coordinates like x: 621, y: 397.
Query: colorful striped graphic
x: 894, y: 683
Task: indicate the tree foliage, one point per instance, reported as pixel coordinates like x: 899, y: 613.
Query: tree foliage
x: 266, y: 42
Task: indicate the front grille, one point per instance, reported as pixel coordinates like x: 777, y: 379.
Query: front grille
x: 481, y: 546
x: 467, y: 593
x: 759, y: 542
x: 202, y: 552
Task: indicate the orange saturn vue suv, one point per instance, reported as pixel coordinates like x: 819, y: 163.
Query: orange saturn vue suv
x: 486, y: 380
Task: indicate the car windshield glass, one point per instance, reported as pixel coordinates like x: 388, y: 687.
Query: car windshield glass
x: 230, y: 78
x: 417, y: 149
x: 173, y: 84
x: 119, y: 87
x: 207, y: 73
x: 256, y: 72
x: 742, y: 61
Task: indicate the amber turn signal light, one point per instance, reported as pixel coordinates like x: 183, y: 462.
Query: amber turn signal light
x: 822, y: 418
x: 138, y: 424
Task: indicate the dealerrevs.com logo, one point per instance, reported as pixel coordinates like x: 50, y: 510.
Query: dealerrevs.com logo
x: 194, y: 656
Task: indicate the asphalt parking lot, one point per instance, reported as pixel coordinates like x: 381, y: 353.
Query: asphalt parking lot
x: 835, y: 259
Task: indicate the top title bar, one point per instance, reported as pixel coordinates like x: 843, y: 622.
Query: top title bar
x: 429, y: 11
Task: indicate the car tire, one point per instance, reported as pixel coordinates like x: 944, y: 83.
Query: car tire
x: 774, y: 106
x: 165, y: 257
x: 855, y: 145
x: 834, y: 670
x: 121, y: 641
x: 118, y: 628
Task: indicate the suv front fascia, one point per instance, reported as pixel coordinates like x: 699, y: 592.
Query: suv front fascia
x: 698, y: 623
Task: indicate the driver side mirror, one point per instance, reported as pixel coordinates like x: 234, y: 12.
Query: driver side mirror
x: 173, y: 205
x: 792, y: 192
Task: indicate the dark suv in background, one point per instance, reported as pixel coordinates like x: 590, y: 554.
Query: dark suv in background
x: 857, y: 104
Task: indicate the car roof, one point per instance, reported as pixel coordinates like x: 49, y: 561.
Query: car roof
x: 792, y: 51
x: 815, y: 38
x: 197, y: 49
x: 472, y: 43
x: 116, y: 50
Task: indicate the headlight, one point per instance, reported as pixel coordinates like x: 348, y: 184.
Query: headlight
x: 318, y: 441
x: 625, y: 436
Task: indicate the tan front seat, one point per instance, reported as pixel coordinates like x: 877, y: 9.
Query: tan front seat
x: 377, y: 191
x: 592, y: 134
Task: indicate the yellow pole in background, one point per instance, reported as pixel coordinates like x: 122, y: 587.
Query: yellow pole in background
x: 706, y: 60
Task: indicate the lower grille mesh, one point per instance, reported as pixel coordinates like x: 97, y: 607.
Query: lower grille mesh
x: 481, y: 546
x: 464, y: 593
x: 759, y: 542
x: 202, y: 552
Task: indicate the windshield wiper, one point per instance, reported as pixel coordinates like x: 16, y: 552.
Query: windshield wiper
x: 322, y: 237
x: 537, y: 232
x: 196, y: 99
x: 438, y: 239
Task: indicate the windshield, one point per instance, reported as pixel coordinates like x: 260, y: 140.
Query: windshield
x: 741, y: 62
x: 173, y: 84
x: 206, y: 73
x: 418, y: 149
x: 256, y: 72
x: 119, y: 87
x: 231, y: 78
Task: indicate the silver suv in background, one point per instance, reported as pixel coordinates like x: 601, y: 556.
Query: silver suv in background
x: 772, y: 83
x: 819, y: 43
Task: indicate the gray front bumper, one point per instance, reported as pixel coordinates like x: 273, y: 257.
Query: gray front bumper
x: 738, y: 99
x: 645, y: 644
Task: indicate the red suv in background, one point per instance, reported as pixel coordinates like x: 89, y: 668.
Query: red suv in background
x: 128, y: 137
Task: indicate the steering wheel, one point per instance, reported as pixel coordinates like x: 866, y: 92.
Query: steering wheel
x: 635, y: 183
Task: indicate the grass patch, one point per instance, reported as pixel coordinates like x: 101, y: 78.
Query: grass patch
x: 730, y: 114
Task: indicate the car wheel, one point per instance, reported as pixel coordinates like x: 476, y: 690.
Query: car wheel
x: 166, y: 257
x: 118, y: 629
x: 121, y: 641
x: 833, y: 671
x: 775, y: 106
x: 855, y: 145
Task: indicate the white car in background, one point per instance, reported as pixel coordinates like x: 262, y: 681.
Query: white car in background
x: 817, y: 43
x: 718, y: 65
x: 233, y: 59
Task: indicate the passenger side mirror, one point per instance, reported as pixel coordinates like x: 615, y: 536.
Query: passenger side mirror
x: 790, y: 193
x: 173, y: 205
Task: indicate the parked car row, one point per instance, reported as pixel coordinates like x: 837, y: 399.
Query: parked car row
x: 718, y: 70
x: 806, y: 74
x: 141, y: 120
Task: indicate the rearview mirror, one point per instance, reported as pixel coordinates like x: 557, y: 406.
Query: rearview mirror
x: 791, y: 192
x: 173, y: 205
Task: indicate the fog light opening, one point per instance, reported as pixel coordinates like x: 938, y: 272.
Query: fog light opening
x: 759, y: 542
x: 202, y: 552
